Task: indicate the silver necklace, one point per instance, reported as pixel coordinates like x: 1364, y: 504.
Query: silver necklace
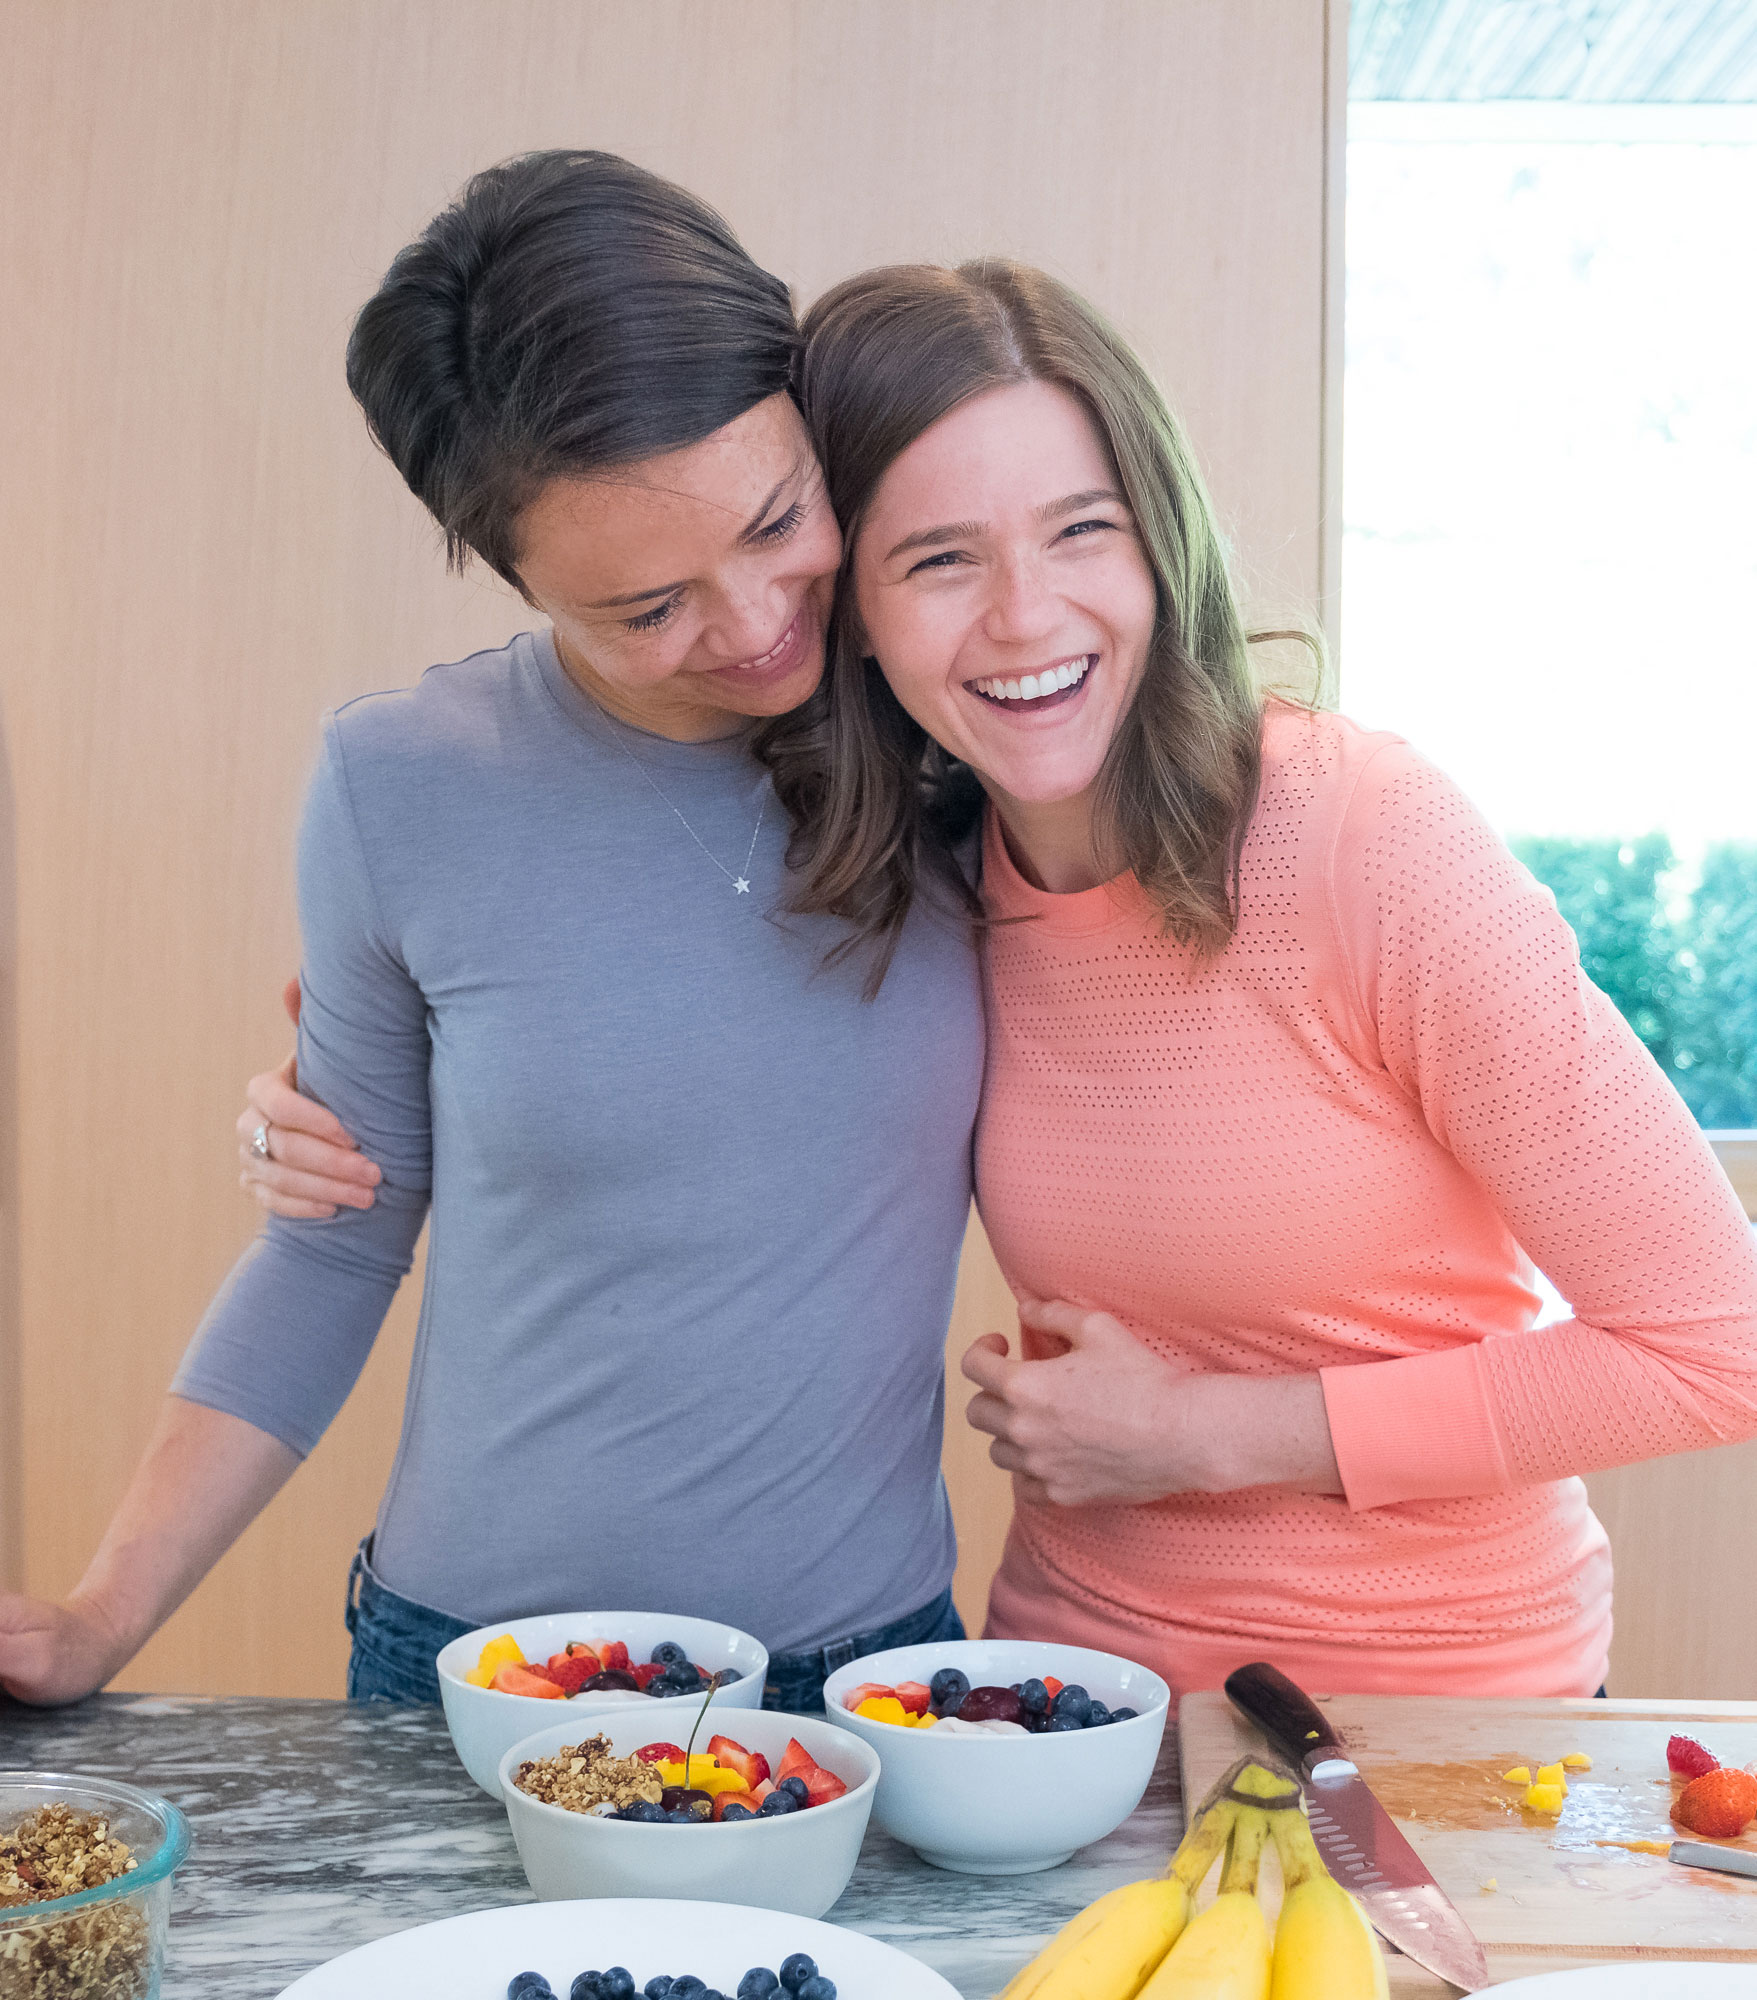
x: 741, y: 881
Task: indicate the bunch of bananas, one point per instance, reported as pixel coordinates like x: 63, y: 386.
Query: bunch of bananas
x: 1146, y: 1941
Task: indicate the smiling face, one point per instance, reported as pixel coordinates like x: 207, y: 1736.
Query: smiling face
x: 1003, y: 588
x: 691, y: 590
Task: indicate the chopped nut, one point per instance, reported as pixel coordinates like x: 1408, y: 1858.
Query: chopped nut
x: 101, y: 1953
x: 584, y: 1776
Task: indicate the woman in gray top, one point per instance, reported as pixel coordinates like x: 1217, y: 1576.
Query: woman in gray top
x: 682, y: 1333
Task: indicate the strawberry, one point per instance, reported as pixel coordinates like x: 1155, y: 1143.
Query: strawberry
x: 820, y: 1785
x: 614, y: 1655
x: 915, y: 1696
x: 867, y: 1691
x: 660, y: 1753
x: 1719, y: 1804
x: 571, y: 1671
x: 544, y: 1670
x: 1054, y: 1686
x: 751, y: 1765
x: 1687, y: 1757
x: 644, y: 1674
x: 795, y: 1758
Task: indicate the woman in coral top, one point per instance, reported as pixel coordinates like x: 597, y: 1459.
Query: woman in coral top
x: 1292, y: 1068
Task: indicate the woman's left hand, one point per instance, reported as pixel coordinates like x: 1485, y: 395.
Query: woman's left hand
x: 1106, y: 1420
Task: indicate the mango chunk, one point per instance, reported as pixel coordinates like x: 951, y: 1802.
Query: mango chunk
x: 886, y: 1708
x: 1546, y: 1798
x: 1551, y: 1774
x: 1519, y: 1775
x: 502, y: 1652
x: 1577, y: 1760
x: 705, y: 1775
x: 481, y: 1677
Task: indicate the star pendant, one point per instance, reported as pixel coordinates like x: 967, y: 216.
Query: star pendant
x: 741, y: 885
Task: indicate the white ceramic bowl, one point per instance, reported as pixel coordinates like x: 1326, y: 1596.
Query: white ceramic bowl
x: 799, y: 1862
x: 485, y: 1723
x: 1007, y: 1805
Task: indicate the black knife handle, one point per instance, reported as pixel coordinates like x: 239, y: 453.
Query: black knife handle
x: 1286, y: 1714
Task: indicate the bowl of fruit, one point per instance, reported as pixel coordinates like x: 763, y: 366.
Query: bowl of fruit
x: 1002, y: 1756
x: 503, y: 1682
x: 743, y: 1806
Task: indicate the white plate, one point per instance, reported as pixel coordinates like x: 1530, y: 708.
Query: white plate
x: 1653, y: 1979
x: 474, y: 1957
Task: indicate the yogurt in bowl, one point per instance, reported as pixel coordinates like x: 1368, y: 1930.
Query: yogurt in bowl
x: 986, y: 1800
x: 485, y: 1722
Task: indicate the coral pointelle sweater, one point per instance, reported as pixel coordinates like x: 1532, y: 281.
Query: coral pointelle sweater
x: 1331, y: 1148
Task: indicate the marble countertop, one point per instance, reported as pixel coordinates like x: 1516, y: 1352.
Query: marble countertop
x: 318, y: 1827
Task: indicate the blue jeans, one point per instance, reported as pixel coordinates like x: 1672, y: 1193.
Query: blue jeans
x: 396, y: 1641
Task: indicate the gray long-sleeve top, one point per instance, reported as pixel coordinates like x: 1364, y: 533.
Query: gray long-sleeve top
x: 696, y: 1207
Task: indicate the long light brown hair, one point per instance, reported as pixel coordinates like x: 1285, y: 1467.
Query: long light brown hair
x: 880, y: 808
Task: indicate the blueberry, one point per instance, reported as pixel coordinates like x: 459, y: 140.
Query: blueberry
x: 1124, y: 1714
x: 658, y: 1987
x: 948, y: 1685
x: 1033, y: 1697
x: 659, y: 1687
x: 1097, y: 1716
x: 617, y: 1984
x: 725, y: 1677
x: 797, y: 1786
x: 528, y: 1986
x: 817, y: 1988
x: 778, y: 1802
x: 1074, y: 1702
x: 588, y: 1986
x: 795, y: 1971
x: 952, y: 1703
x: 738, y: 1810
x: 757, y: 1984
x: 647, y: 1809
x: 689, y: 1987
x: 681, y: 1817
x: 668, y: 1653
x: 1060, y: 1725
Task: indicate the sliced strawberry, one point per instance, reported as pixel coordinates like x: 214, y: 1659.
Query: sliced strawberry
x: 866, y: 1691
x: 914, y: 1695
x: 543, y: 1670
x: 1687, y: 1757
x: 615, y: 1655
x: 644, y: 1674
x: 526, y: 1681
x: 1054, y: 1686
x: 751, y: 1765
x: 571, y: 1671
x: 660, y: 1753
x: 762, y: 1791
x: 821, y: 1786
x: 796, y: 1758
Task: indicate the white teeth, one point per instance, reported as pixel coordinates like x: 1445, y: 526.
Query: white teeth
x: 1033, y: 687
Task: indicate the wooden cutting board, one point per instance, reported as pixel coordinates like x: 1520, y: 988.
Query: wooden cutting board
x: 1562, y: 1896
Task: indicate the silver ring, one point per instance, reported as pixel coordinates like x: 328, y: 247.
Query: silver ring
x: 259, y: 1143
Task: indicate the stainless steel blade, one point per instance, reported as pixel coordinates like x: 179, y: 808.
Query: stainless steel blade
x: 1368, y: 1856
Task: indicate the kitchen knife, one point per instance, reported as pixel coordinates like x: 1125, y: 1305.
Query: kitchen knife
x: 1356, y: 1836
x: 1724, y: 1860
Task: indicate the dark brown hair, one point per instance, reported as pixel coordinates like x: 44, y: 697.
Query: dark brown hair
x: 879, y: 806
x: 569, y: 311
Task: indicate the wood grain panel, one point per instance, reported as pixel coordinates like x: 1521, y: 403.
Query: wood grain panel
x: 203, y: 550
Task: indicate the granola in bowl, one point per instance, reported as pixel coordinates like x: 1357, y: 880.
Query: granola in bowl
x: 588, y: 1778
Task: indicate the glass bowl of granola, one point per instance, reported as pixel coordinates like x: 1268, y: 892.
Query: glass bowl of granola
x: 85, y: 1887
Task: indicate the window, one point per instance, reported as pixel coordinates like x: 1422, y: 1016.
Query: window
x: 1550, y: 549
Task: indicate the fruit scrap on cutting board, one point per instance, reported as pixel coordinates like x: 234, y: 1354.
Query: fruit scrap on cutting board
x: 1716, y: 1803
